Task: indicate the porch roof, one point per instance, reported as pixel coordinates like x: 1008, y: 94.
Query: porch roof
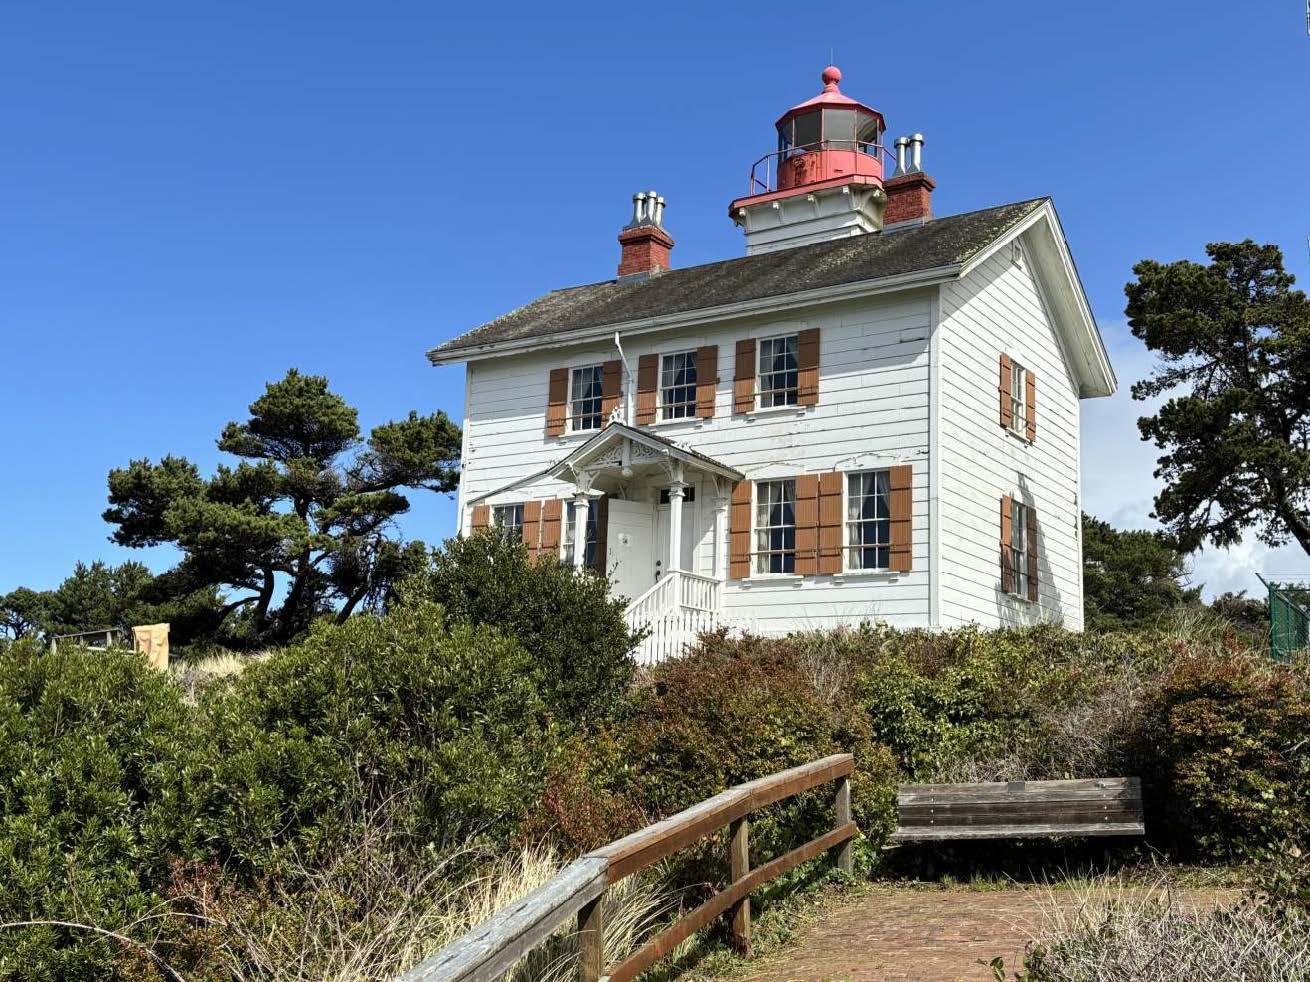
x: 626, y: 450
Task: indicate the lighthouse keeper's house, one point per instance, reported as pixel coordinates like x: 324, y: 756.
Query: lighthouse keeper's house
x: 873, y: 415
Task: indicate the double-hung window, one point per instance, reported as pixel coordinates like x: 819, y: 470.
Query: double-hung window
x: 779, y: 373
x: 775, y: 526
x: 868, y: 520
x: 589, y: 546
x: 585, y: 398
x: 678, y: 385
x: 509, y: 519
x: 1018, y: 399
x: 1018, y: 548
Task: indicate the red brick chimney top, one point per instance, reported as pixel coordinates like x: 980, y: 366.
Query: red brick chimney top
x: 909, y: 199
x: 645, y: 245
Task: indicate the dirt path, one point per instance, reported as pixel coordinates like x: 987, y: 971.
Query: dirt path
x: 900, y: 934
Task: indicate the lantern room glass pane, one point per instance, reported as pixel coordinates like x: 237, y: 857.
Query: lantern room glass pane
x: 867, y: 132
x: 839, y: 127
x: 784, y: 136
x: 807, y: 129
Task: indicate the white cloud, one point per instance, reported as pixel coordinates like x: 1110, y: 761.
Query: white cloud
x: 1119, y: 484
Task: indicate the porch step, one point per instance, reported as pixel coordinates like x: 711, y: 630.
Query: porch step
x: 675, y: 612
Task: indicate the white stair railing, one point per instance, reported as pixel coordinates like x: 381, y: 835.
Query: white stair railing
x: 676, y: 611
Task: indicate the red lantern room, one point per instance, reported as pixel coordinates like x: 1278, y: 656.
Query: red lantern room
x: 824, y: 181
x: 830, y: 136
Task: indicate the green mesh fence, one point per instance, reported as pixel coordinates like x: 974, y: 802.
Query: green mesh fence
x: 1289, y: 618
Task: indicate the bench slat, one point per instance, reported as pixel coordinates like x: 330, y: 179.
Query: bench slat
x: 1019, y: 832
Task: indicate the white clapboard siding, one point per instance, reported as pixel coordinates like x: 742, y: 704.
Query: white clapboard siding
x: 999, y: 309
x: 873, y: 411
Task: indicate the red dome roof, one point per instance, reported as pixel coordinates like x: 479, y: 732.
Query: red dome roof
x: 830, y: 98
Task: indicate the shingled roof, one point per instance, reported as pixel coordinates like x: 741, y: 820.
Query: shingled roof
x: 940, y: 242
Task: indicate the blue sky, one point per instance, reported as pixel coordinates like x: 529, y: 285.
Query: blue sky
x: 196, y: 196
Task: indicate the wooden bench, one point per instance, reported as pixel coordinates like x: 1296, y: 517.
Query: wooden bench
x: 1019, y: 809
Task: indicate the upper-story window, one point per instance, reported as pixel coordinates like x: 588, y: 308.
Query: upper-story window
x: 585, y: 398
x: 1018, y: 396
x: 775, y: 526
x: 1018, y: 548
x: 678, y: 385
x: 779, y: 374
x: 868, y: 520
x: 509, y: 519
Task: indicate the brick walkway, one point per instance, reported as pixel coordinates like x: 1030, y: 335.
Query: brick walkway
x: 901, y: 934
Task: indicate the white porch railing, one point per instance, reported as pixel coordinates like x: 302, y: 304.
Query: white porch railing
x: 677, y: 610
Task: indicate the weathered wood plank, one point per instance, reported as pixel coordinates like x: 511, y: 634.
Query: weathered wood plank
x: 999, y: 810
x: 739, y: 864
x: 490, y: 949
x: 655, y: 842
x: 1018, y: 831
x: 689, y: 924
x: 844, y: 855
x: 1021, y: 787
x: 1110, y: 794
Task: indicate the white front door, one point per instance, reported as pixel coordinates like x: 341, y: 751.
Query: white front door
x: 662, y: 537
x: 630, y: 547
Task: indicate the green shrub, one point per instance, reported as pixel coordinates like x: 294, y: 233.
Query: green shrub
x: 567, y: 622
x: 739, y: 710
x: 377, y: 707
x: 97, y: 775
x: 1223, y: 747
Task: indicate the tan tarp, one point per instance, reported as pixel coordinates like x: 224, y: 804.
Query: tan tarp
x: 152, y: 641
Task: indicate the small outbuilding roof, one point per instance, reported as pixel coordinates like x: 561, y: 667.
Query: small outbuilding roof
x: 941, y: 242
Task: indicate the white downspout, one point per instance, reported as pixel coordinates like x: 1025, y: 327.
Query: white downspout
x: 627, y: 376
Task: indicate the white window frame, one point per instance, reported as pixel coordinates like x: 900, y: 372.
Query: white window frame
x: 1018, y: 548
x: 516, y: 510
x: 791, y: 394
x: 851, y: 549
x: 573, y: 417
x: 761, y: 558
x: 670, y: 412
x: 1018, y: 399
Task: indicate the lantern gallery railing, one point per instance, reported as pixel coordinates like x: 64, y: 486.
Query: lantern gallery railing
x: 764, y: 172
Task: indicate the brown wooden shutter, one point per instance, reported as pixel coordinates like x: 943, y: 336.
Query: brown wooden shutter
x: 1007, y: 573
x: 601, y: 506
x: 830, y: 521
x: 532, y: 526
x: 481, y: 516
x: 648, y: 378
x: 552, y: 513
x: 611, y: 380
x: 901, y: 506
x: 557, y: 401
x: 807, y: 361
x: 807, y: 524
x: 739, y: 535
x: 743, y: 377
x: 707, y: 379
x: 1030, y: 399
x: 1007, y: 415
x: 1031, y: 542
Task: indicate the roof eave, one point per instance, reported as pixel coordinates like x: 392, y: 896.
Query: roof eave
x: 1095, y: 373
x: 703, y: 315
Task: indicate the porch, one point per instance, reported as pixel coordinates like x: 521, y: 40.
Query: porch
x: 663, y: 537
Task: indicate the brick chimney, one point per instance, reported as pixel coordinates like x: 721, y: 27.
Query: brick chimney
x: 645, y: 244
x: 909, y: 190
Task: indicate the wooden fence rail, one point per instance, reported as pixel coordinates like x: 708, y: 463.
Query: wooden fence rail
x: 488, y: 951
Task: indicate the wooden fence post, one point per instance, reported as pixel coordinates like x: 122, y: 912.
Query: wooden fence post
x: 591, y: 940
x: 739, y: 855
x: 844, y: 854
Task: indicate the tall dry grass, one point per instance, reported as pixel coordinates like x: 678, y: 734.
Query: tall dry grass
x: 377, y: 906
x: 1114, y: 931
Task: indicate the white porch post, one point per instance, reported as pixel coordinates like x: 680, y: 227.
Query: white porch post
x: 722, y: 498
x: 581, y: 502
x: 677, y: 491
